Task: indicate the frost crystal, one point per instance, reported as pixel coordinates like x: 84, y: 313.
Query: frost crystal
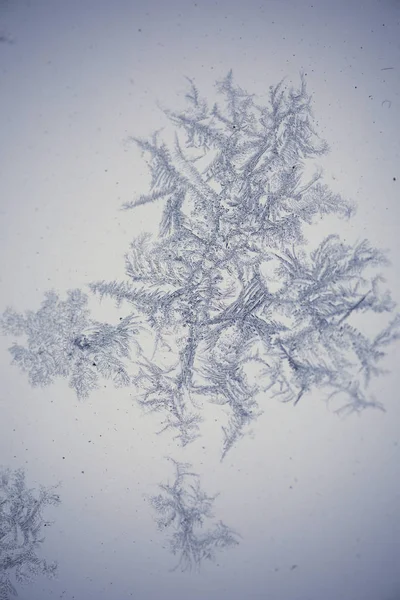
x: 183, y: 507
x: 231, y: 278
x: 64, y: 342
x: 230, y: 284
x: 21, y: 531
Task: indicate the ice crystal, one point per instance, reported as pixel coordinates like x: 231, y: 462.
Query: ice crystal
x: 21, y: 531
x: 183, y: 507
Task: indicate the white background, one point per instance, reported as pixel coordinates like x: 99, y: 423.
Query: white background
x: 310, y: 489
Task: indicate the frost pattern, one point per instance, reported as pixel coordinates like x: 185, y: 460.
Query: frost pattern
x: 183, y: 507
x: 230, y: 278
x: 21, y: 531
x: 230, y: 284
x: 236, y: 303
x: 62, y: 341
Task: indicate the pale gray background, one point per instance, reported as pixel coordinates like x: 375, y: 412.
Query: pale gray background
x: 77, y: 77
